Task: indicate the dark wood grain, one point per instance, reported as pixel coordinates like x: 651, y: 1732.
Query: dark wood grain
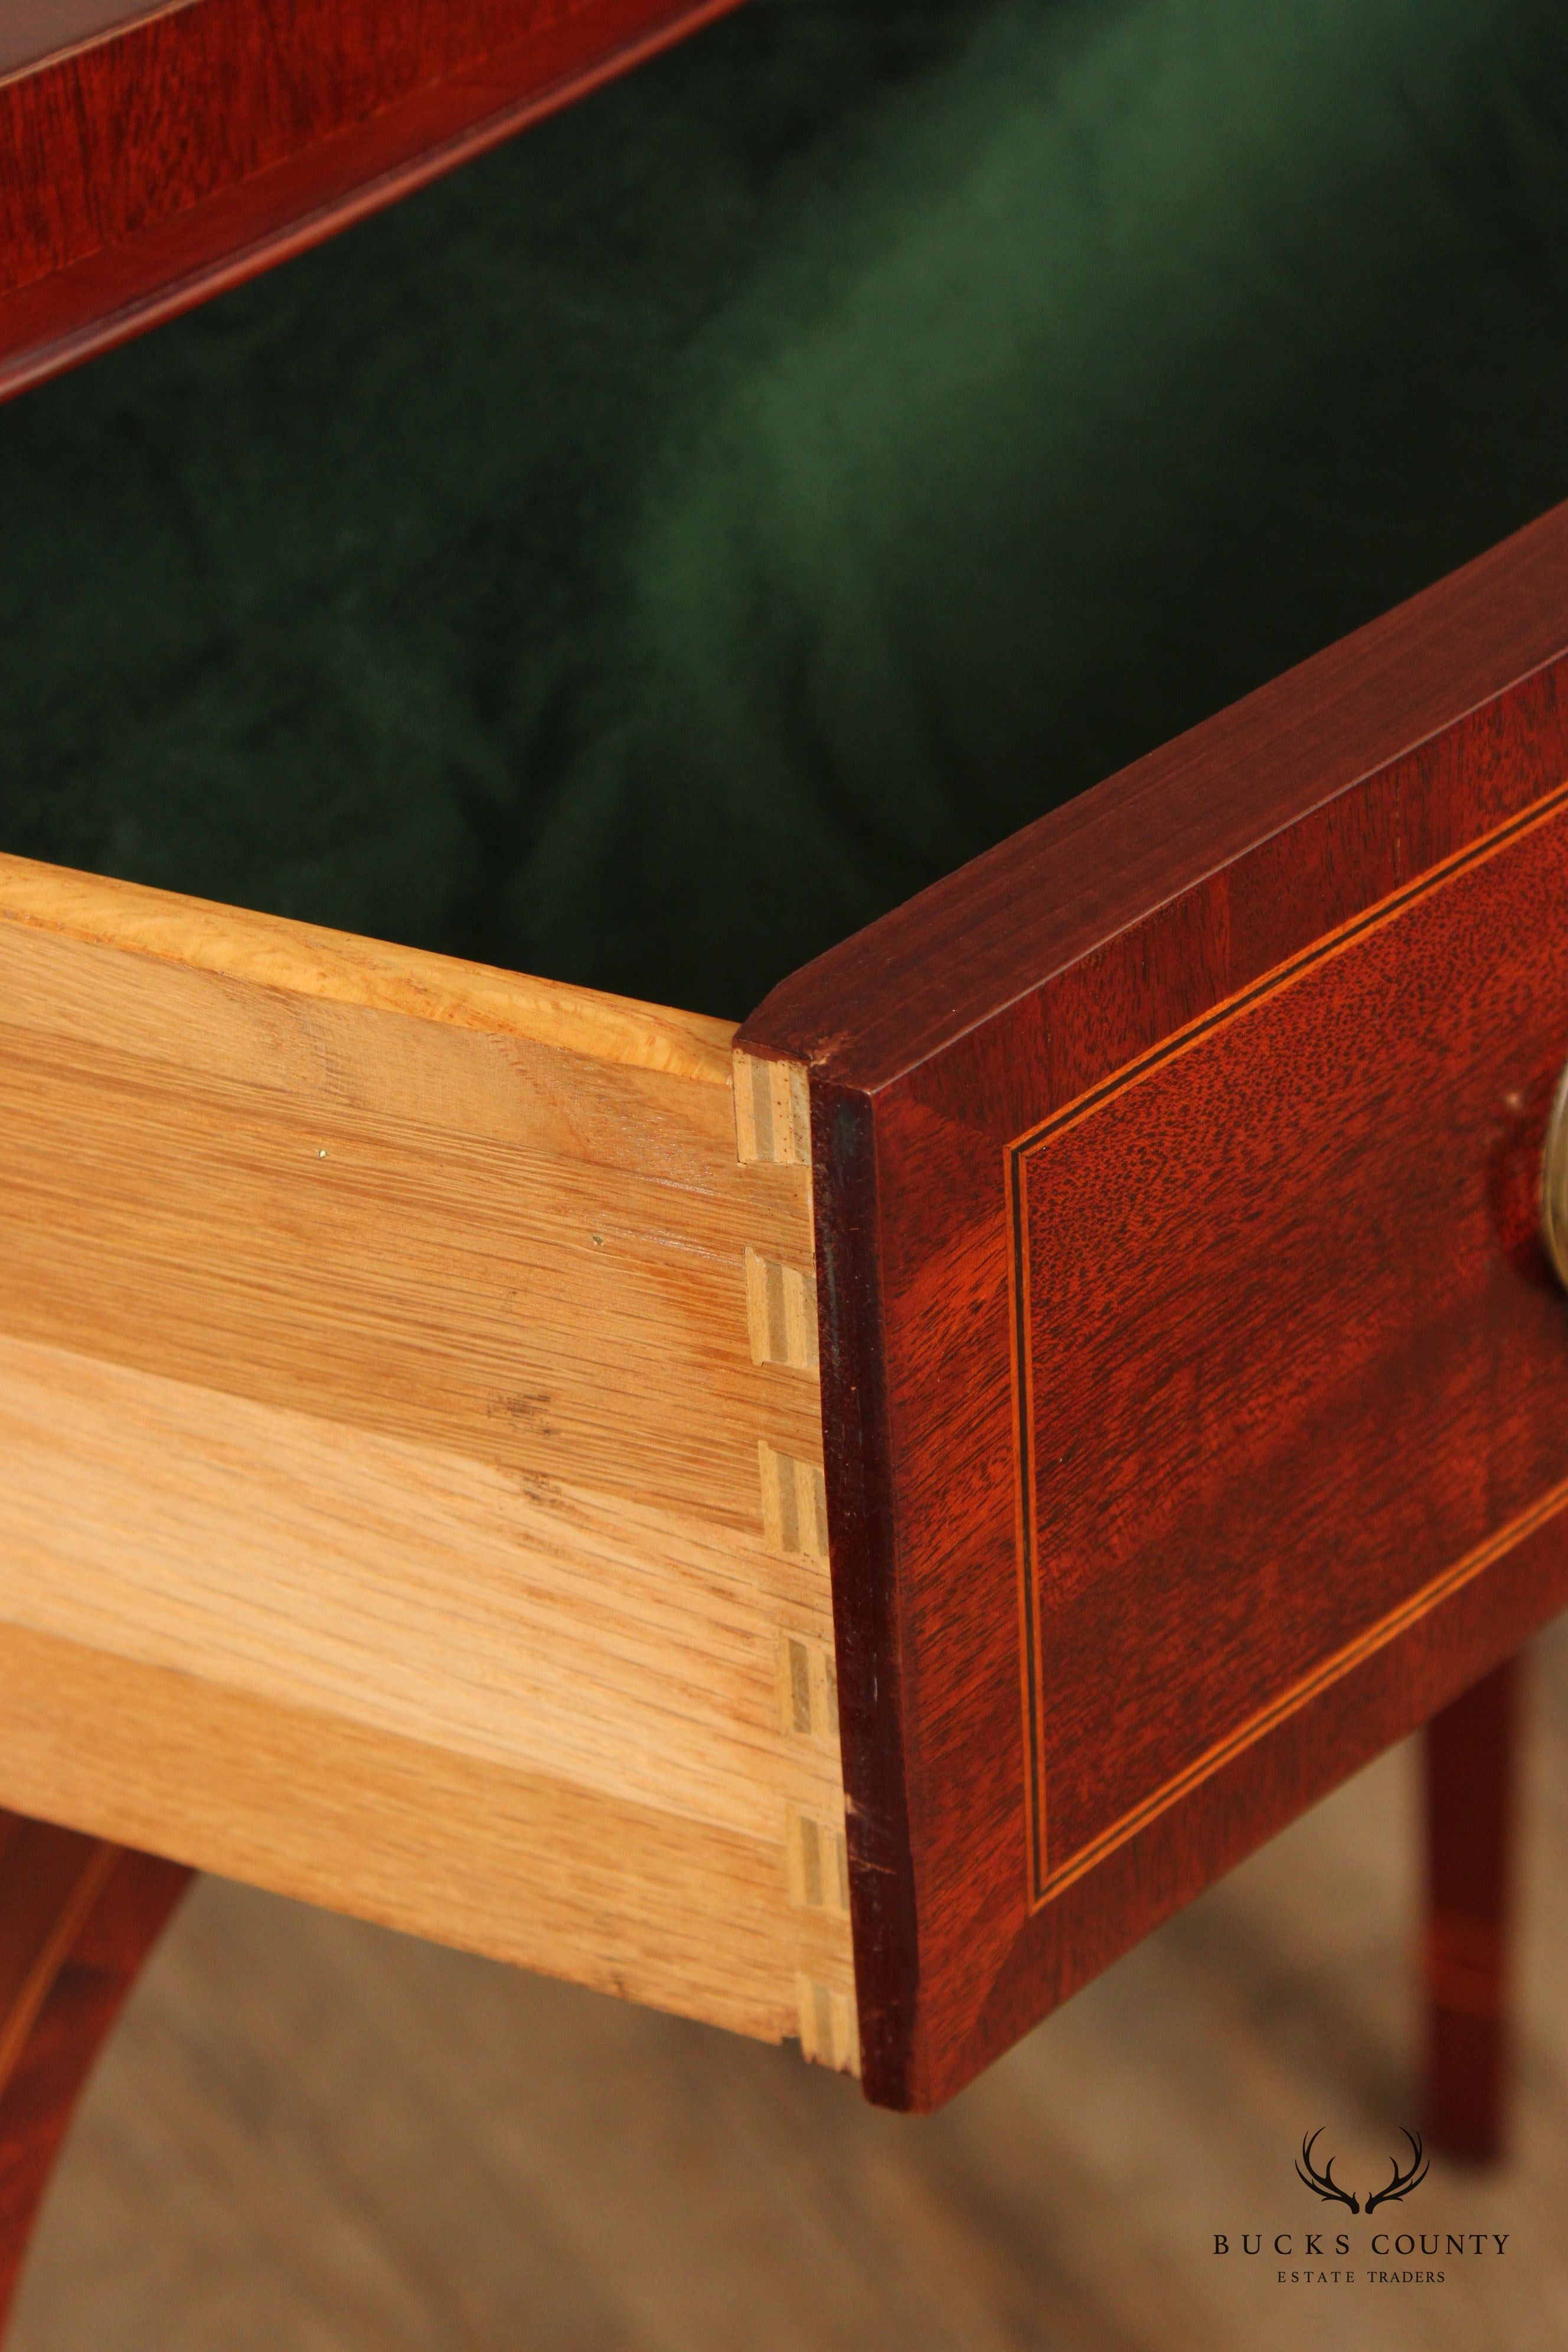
x: 1182, y: 1298
x: 144, y: 172
x: 1472, y: 1793
x: 77, y: 1918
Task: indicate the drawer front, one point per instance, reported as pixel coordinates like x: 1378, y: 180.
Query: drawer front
x: 1193, y: 1368
x: 1288, y: 1361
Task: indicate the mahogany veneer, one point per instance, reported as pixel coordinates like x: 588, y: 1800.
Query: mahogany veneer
x: 1191, y: 1364
x: 181, y: 150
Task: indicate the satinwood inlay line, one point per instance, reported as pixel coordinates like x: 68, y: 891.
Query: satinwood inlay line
x: 1046, y: 1882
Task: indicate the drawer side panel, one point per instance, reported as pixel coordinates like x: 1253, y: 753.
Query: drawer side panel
x: 388, y: 1394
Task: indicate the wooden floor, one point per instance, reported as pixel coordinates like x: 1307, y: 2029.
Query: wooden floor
x: 312, y: 2137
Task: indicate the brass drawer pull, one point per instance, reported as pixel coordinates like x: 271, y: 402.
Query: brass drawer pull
x: 1554, y: 1183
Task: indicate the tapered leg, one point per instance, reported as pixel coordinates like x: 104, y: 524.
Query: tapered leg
x: 1470, y: 1804
x: 77, y: 1918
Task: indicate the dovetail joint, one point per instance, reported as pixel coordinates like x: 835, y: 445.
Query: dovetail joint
x: 773, y: 1112
x: 794, y: 1504
x: 781, y: 1313
x: 818, y: 1859
x: 808, y: 1690
x: 829, y: 2029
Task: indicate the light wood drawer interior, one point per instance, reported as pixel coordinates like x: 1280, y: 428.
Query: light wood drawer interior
x: 413, y: 1448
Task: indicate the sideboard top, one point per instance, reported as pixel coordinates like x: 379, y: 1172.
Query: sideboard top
x: 150, y: 158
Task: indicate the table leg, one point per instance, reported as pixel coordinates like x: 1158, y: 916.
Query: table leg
x: 1470, y: 1804
x: 77, y: 1918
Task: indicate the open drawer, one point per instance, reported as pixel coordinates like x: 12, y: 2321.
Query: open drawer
x: 418, y: 1381
x: 834, y: 1528
x: 413, y: 1447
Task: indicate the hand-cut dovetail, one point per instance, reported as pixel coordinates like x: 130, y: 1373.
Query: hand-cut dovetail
x: 808, y: 1690
x: 829, y: 2029
x: 780, y: 1310
x: 794, y: 1504
x: 773, y: 1112
x: 818, y: 1862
